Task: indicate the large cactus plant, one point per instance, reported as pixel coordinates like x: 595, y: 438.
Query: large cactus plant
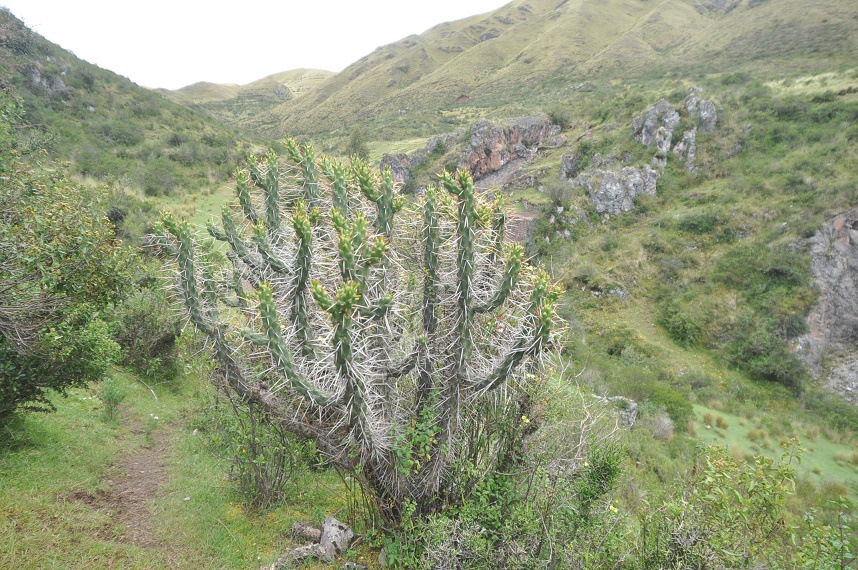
x: 390, y: 335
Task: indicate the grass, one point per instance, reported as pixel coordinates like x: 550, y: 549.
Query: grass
x: 823, y: 462
x: 50, y: 462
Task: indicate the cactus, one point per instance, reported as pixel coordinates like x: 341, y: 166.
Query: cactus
x: 343, y: 344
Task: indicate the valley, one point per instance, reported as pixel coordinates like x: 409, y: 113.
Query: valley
x: 685, y: 171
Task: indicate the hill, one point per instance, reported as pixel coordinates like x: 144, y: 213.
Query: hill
x: 108, y: 127
x: 530, y: 53
x: 239, y: 105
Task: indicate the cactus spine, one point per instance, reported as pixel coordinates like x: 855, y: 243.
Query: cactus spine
x: 359, y: 353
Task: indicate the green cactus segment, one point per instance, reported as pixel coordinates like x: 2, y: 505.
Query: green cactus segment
x: 263, y: 246
x: 462, y: 188
x: 237, y: 286
x: 242, y: 192
x: 202, y: 317
x: 306, y: 161
x: 383, y: 195
x: 498, y: 226
x: 510, y: 277
x: 388, y: 204
x: 431, y: 227
x: 271, y: 190
x: 230, y: 235
x: 303, y: 226
x: 356, y: 253
x: 342, y: 309
x: 160, y: 240
x: 534, y: 336
x: 336, y: 173
x: 273, y: 340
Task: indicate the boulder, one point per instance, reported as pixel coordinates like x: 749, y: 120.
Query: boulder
x: 614, y: 192
x: 686, y: 150
x: 702, y: 110
x: 569, y: 166
x: 646, y: 125
x: 334, y: 538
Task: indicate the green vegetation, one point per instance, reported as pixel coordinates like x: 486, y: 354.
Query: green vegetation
x: 109, y: 128
x: 686, y: 308
x: 388, y: 335
x: 61, y: 268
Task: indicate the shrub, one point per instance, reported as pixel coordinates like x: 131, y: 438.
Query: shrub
x: 146, y: 327
x: 61, y: 267
x: 111, y: 395
x: 560, y: 116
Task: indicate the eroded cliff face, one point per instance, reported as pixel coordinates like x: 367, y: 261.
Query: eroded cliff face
x: 831, y: 346
x: 496, y: 147
x: 494, y: 152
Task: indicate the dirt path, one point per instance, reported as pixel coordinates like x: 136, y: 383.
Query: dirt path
x: 135, y: 481
x: 132, y: 483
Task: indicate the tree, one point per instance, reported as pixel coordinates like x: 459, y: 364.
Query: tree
x: 357, y: 145
x: 60, y: 268
x: 393, y: 337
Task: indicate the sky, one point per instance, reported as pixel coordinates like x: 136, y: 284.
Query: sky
x: 173, y: 43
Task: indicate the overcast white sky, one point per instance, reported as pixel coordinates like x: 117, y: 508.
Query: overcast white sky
x: 173, y: 43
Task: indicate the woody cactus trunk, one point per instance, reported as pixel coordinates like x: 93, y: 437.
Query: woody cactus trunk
x: 394, y: 337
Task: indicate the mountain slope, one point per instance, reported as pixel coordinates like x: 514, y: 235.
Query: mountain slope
x: 240, y: 104
x: 513, y: 59
x: 110, y: 128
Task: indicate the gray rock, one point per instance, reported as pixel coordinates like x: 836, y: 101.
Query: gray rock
x: 686, y: 150
x: 614, y: 192
x: 569, y: 166
x: 336, y: 537
x: 646, y: 125
x: 663, y: 138
x: 702, y: 110
x: 833, y: 322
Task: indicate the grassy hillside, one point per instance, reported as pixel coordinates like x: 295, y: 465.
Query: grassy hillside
x: 240, y: 105
x: 530, y: 54
x: 108, y: 127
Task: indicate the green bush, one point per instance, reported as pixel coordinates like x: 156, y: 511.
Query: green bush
x: 560, y: 116
x: 757, y: 349
x: 146, y: 327
x: 61, y: 268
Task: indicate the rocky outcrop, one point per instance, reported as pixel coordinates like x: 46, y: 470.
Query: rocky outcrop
x: 614, y: 192
x: 701, y: 110
x: 833, y: 322
x: 686, y: 150
x: 569, y: 165
x: 646, y: 125
x: 493, y: 148
x: 401, y: 164
x: 663, y: 138
x: 40, y: 81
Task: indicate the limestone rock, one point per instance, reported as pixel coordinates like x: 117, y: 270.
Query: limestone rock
x: 569, y: 166
x: 686, y: 150
x: 646, y: 125
x: 614, y: 192
x: 704, y: 111
x: 663, y: 138
x: 336, y: 537
x: 833, y: 322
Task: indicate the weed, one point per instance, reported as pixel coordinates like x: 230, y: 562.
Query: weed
x: 112, y: 394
